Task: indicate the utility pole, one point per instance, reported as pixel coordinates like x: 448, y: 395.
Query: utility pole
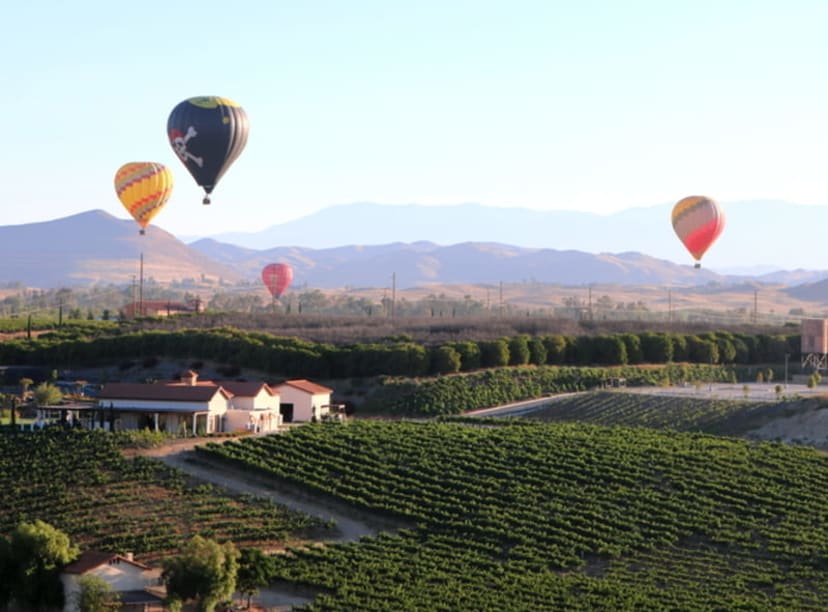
x: 500, y: 308
x: 755, y: 305
x: 669, y: 305
x: 393, y: 294
x: 589, y: 303
x: 141, y: 287
x: 786, y: 369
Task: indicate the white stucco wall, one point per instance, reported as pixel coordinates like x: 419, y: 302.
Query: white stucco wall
x: 244, y: 420
x: 304, y: 402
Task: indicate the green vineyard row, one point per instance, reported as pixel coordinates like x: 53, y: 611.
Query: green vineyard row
x: 555, y: 516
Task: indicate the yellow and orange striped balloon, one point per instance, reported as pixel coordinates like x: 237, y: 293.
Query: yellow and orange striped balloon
x: 143, y: 188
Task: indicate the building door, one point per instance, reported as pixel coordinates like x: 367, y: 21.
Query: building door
x: 286, y: 410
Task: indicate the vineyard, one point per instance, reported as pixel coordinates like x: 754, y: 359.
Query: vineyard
x: 80, y: 483
x: 522, y: 515
x: 719, y: 417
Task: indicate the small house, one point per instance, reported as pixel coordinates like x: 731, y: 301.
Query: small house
x: 254, y: 406
x: 137, y: 585
x: 175, y: 408
x: 303, y: 400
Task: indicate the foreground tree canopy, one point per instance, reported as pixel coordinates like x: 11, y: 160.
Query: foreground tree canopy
x: 204, y: 572
x: 30, y: 561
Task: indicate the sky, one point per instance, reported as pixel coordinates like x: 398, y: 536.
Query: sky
x: 549, y: 104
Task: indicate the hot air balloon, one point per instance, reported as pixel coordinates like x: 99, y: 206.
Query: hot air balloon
x: 698, y: 221
x: 208, y: 134
x: 277, y: 277
x: 143, y: 188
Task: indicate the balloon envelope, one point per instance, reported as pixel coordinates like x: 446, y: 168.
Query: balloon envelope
x: 697, y: 221
x: 207, y: 134
x: 143, y: 188
x: 277, y: 277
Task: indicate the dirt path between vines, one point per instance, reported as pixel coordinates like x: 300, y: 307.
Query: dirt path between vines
x: 351, y: 524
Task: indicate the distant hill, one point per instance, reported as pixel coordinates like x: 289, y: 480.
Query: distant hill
x: 95, y: 247
x: 810, y: 292
x: 422, y: 263
x: 761, y: 235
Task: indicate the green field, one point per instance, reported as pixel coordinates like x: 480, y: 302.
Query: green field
x: 679, y: 413
x: 81, y: 483
x: 521, y: 515
x: 635, y: 510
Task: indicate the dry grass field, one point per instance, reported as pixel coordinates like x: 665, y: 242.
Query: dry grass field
x: 768, y: 299
x: 536, y: 308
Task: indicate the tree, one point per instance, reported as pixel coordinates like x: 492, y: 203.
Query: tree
x: 96, y: 595
x: 204, y: 572
x: 469, y: 354
x: 700, y: 350
x: 6, y: 573
x: 555, y: 349
x: 537, y: 352
x: 445, y: 360
x: 656, y: 347
x: 47, y: 394
x: 679, y: 347
x: 255, y: 570
x: 609, y: 350
x: 24, y: 383
x: 37, y: 552
x: 518, y: 350
x: 494, y: 353
x: 9, y: 402
x: 634, y: 351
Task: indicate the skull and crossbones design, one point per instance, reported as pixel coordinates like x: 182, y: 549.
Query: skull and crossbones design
x: 179, y: 143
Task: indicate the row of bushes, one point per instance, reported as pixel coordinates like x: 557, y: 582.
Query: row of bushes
x: 397, y: 357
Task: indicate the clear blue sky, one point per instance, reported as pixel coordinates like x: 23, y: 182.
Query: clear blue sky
x: 547, y: 104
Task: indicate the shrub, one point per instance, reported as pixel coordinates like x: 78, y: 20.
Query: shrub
x: 445, y: 360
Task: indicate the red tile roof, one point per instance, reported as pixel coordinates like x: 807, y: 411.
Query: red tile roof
x: 307, y: 386
x: 164, y: 392
x: 90, y: 559
x: 246, y: 389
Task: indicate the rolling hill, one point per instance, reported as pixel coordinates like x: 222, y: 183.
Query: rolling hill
x: 95, y: 247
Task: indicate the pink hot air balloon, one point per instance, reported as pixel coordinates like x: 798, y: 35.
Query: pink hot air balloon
x: 277, y: 277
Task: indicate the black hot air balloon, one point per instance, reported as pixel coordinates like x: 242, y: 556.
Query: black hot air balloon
x: 207, y: 133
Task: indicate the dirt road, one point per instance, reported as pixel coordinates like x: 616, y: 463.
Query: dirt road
x: 351, y: 524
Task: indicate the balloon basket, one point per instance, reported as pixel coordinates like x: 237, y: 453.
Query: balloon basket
x: 142, y: 231
x: 697, y: 266
x: 206, y: 200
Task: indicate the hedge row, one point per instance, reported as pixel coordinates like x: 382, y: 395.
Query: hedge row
x: 293, y: 357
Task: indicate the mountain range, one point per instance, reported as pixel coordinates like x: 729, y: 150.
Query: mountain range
x: 759, y: 236
x: 95, y: 247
